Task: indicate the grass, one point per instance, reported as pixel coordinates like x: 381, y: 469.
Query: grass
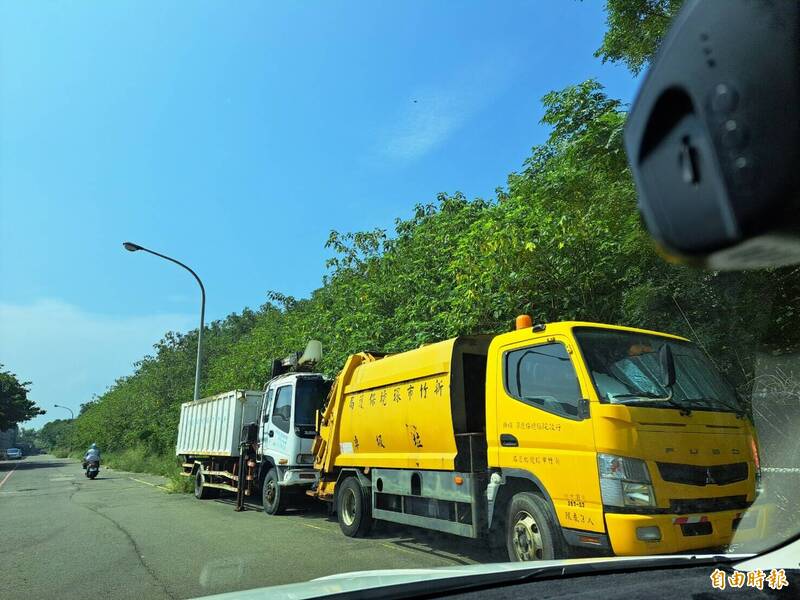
x: 138, y: 460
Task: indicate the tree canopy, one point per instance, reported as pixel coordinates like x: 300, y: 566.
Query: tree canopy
x: 635, y: 30
x: 15, y: 406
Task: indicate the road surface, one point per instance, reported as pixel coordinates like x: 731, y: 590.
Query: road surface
x: 121, y: 536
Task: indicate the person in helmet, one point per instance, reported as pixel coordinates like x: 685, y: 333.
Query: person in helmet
x: 92, y: 455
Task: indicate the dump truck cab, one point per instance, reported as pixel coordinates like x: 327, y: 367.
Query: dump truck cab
x: 288, y: 426
x: 627, y: 459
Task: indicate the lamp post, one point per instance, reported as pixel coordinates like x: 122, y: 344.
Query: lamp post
x: 72, y: 414
x: 131, y: 247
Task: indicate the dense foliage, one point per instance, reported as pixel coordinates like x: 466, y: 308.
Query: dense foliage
x: 561, y: 240
x: 15, y: 406
x: 635, y: 30
x: 55, y: 434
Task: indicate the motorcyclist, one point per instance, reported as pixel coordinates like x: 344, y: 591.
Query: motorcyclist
x: 92, y: 455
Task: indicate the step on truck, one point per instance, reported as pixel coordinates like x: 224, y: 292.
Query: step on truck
x: 256, y: 442
x: 544, y: 439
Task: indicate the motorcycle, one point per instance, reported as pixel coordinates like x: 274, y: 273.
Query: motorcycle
x: 92, y: 468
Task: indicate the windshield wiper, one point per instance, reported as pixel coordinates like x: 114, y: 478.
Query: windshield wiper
x: 647, y: 396
x: 715, y: 402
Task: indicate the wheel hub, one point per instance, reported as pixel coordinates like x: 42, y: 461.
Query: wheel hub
x: 269, y: 492
x: 527, y: 539
x: 349, y: 507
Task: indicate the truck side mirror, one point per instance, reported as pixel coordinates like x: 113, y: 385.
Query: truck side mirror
x: 667, y: 361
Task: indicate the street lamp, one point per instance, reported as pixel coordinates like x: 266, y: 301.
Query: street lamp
x: 131, y: 247
x: 72, y: 414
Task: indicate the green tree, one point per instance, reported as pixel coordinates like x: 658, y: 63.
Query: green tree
x: 56, y: 434
x: 635, y: 30
x: 15, y: 406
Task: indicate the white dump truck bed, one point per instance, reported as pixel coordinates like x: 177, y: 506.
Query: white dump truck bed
x: 213, y: 426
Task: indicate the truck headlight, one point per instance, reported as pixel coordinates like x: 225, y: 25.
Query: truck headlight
x: 624, y: 481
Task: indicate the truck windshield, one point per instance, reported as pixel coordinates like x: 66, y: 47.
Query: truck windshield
x: 309, y: 397
x: 625, y: 369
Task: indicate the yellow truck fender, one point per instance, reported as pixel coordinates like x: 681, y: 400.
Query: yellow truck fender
x: 512, y: 481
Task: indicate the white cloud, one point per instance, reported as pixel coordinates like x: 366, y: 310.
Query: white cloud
x: 434, y: 113
x: 70, y: 354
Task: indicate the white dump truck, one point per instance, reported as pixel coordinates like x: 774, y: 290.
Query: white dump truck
x: 251, y: 442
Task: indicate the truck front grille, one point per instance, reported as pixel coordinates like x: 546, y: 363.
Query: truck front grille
x: 706, y: 505
x: 700, y: 475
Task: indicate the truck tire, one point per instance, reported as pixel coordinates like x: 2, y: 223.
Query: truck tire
x: 353, y: 508
x: 531, y: 530
x: 274, y: 499
x: 201, y: 491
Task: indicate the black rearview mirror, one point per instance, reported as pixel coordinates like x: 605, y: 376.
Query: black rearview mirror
x: 667, y: 361
x: 712, y: 138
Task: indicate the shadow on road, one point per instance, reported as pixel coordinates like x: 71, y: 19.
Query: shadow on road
x: 30, y: 463
x: 412, y: 539
x: 444, y: 545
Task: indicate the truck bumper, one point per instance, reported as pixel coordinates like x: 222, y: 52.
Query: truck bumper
x: 301, y: 476
x: 680, y: 533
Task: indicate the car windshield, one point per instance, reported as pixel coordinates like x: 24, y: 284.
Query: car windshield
x: 625, y: 369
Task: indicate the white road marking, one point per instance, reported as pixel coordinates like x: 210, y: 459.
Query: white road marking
x: 9, y: 474
x: 147, y: 483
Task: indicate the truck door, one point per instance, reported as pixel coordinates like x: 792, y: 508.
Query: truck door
x: 544, y: 427
x: 279, y: 425
x: 266, y: 409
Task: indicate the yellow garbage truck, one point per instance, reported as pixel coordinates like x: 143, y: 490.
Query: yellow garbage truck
x: 544, y: 439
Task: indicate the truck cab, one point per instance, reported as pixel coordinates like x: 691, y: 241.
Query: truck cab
x: 286, y: 434
x: 626, y: 459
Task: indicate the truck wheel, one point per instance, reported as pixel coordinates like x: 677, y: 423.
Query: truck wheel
x: 353, y: 509
x: 531, y: 530
x: 201, y: 492
x: 273, y: 498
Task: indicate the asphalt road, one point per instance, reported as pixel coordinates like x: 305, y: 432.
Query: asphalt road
x: 121, y: 536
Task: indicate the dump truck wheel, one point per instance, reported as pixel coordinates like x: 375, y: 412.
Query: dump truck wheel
x: 201, y: 492
x: 531, y: 530
x: 273, y: 498
x: 353, y: 509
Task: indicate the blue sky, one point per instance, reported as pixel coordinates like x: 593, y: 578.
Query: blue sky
x: 235, y: 136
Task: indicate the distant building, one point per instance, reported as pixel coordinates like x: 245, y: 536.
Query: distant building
x: 8, y: 438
